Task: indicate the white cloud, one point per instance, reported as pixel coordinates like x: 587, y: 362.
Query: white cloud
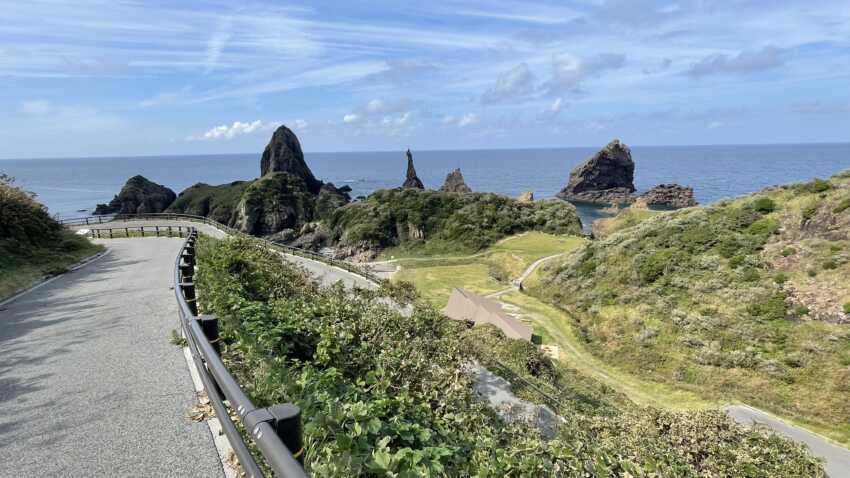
x: 224, y: 131
x: 468, y: 119
x: 34, y: 107
x: 375, y: 106
x: 350, y: 118
x: 512, y: 84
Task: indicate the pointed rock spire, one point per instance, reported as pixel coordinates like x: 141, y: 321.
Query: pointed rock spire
x: 455, y: 183
x: 412, y: 180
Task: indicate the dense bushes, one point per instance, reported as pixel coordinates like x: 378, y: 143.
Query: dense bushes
x: 387, y: 395
x: 469, y: 222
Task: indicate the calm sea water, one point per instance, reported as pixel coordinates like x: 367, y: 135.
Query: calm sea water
x: 68, y: 186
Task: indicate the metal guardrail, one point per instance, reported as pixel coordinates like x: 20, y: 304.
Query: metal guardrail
x: 98, y: 220
x: 275, y: 430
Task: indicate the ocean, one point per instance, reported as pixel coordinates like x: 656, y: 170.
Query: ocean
x: 72, y: 187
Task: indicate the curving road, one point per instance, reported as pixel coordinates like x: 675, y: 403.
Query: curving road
x: 89, y: 383
x: 837, y: 459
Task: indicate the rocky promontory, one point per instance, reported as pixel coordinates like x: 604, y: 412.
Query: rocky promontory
x: 455, y: 184
x: 673, y: 196
x: 606, y: 177
x: 411, y: 179
x: 138, y: 196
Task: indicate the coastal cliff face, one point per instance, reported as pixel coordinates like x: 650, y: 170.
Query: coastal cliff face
x: 138, y: 196
x: 455, y: 184
x: 606, y: 177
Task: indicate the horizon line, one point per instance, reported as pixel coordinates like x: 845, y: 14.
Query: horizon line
x: 821, y: 143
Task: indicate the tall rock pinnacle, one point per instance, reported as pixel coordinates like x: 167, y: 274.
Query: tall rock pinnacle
x: 283, y: 153
x: 412, y: 180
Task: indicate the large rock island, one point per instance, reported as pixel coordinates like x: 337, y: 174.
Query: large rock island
x: 606, y: 177
x: 138, y: 196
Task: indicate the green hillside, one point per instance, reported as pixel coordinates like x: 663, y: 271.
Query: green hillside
x: 744, y: 300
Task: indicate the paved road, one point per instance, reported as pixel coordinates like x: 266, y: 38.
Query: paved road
x: 837, y: 458
x: 323, y: 272
x: 89, y: 383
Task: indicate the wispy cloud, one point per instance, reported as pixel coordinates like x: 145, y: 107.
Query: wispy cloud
x: 747, y: 61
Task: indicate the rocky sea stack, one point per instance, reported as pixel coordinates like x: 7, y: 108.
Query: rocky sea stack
x: 138, y: 196
x: 673, y: 196
x: 607, y: 177
x: 283, y: 154
x: 412, y: 180
x: 455, y: 183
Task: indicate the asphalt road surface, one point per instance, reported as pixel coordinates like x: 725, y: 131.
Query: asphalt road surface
x: 837, y: 463
x: 89, y: 383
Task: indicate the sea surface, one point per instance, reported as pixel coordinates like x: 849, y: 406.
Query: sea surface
x: 72, y: 187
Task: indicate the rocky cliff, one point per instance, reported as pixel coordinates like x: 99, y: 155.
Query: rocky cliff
x: 455, y: 184
x: 138, y: 196
x: 411, y: 179
x: 283, y: 154
x: 673, y: 196
x: 606, y: 177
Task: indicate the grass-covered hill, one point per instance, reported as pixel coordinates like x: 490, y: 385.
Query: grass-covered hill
x: 437, y: 222
x: 382, y: 394
x: 32, y: 244
x: 747, y: 299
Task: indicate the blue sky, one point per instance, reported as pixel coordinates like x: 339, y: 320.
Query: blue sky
x: 110, y: 77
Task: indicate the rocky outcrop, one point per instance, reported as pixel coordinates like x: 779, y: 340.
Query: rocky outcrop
x: 673, y: 196
x: 525, y: 196
x: 138, y: 196
x: 283, y: 154
x: 412, y: 180
x: 607, y: 177
x: 455, y: 183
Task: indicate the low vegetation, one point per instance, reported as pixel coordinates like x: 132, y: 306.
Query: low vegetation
x: 434, y: 222
x: 489, y: 271
x: 741, y: 300
x: 387, y: 395
x: 32, y: 244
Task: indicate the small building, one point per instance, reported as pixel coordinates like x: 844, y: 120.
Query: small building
x: 464, y: 305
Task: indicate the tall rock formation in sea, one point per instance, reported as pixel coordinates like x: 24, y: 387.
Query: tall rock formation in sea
x: 412, y: 180
x: 606, y: 177
x: 672, y: 196
x: 138, y: 196
x: 455, y: 183
x: 283, y: 154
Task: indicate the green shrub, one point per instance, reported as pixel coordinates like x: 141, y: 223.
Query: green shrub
x: 764, y: 205
x: 770, y: 307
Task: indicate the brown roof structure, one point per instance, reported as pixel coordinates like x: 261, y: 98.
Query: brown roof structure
x: 464, y: 305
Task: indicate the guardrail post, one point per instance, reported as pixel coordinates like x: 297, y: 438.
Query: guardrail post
x: 285, y: 420
x: 209, y: 324
x: 287, y: 425
x: 187, y: 287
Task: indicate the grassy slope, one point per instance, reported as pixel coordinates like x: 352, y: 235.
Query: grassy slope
x: 483, y: 273
x: 22, y: 265
x: 721, y: 302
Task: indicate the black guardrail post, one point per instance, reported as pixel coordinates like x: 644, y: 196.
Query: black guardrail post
x: 209, y: 325
x: 285, y: 420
